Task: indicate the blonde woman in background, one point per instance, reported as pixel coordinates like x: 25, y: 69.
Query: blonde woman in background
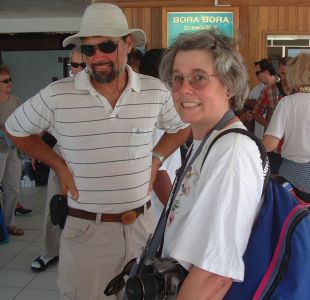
x: 291, y: 121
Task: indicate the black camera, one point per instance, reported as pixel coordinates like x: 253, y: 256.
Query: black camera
x: 161, y: 278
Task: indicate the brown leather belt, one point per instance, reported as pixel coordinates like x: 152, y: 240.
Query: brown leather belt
x: 126, y: 217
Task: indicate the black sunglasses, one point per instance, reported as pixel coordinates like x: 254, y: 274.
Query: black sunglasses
x: 6, y: 80
x: 105, y: 47
x: 77, y: 65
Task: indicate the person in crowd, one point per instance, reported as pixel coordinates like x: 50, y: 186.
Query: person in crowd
x: 291, y: 121
x: 149, y: 65
x: 212, y: 214
x: 150, y: 62
x: 134, y: 59
x: 282, y: 72
x: 10, y: 164
x: 103, y: 121
x: 253, y: 98
x: 77, y: 63
x: 267, y: 102
x: 270, y: 95
x: 246, y: 117
x: 51, y: 232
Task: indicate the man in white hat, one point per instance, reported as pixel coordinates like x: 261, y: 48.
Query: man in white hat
x: 103, y: 120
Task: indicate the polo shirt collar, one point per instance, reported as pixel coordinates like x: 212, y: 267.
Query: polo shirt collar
x: 82, y: 81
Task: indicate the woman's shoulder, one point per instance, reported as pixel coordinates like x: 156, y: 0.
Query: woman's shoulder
x: 235, y: 143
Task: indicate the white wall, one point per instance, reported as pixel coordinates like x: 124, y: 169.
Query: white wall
x: 33, y: 70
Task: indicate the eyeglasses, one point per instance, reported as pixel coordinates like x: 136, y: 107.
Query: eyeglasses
x: 105, y: 47
x: 258, y: 72
x: 197, y: 81
x: 6, y: 81
x: 118, y: 282
x: 77, y: 65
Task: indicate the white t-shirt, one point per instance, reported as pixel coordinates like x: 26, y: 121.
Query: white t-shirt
x: 214, y: 210
x: 291, y: 120
x: 170, y: 165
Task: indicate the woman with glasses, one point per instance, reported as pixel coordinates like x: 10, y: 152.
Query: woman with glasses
x: 10, y: 164
x: 212, y: 214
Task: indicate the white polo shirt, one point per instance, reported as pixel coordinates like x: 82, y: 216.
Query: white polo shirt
x: 108, y: 150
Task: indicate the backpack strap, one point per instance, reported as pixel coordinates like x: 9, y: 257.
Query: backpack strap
x: 261, y: 148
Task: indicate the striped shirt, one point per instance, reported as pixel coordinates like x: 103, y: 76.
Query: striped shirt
x: 108, y: 150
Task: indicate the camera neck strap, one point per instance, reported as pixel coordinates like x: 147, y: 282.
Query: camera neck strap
x: 155, y: 245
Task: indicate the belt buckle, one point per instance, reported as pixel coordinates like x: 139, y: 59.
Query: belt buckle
x: 129, y: 217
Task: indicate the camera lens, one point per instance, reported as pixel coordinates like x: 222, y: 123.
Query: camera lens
x: 146, y: 287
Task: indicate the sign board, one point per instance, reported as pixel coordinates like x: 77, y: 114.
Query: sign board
x: 178, y: 20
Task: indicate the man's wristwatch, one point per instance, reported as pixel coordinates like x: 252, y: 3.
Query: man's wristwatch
x: 158, y: 156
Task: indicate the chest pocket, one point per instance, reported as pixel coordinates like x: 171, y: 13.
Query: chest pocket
x: 140, y: 142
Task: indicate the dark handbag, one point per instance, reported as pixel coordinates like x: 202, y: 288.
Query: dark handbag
x: 59, y: 210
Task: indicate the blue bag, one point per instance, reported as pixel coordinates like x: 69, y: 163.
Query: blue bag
x: 4, y: 235
x: 277, y: 257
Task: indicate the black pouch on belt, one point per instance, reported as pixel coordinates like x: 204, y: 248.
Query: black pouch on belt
x: 59, y: 210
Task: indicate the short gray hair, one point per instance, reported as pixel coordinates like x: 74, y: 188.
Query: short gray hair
x: 228, y: 62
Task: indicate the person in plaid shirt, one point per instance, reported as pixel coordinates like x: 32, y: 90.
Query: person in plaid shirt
x: 270, y: 95
x: 267, y: 102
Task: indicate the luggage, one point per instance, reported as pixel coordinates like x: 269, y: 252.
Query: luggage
x: 277, y: 257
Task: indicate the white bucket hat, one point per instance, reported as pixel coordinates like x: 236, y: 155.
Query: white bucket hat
x: 105, y: 19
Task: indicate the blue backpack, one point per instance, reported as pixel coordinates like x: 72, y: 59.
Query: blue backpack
x: 277, y: 257
x: 4, y: 235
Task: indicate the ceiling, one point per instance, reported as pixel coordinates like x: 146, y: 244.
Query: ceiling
x: 17, y: 16
x: 41, y: 8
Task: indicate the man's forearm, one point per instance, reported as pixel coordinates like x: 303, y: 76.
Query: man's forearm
x: 261, y: 120
x: 34, y: 147
x: 170, y: 142
x: 162, y: 186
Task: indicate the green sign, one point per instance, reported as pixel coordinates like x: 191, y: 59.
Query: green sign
x: 179, y: 22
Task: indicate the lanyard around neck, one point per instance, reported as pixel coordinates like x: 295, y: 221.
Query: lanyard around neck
x: 186, y: 166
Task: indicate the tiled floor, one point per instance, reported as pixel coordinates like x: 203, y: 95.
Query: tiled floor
x: 17, y: 281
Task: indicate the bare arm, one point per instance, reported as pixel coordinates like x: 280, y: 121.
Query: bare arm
x: 203, y: 285
x: 270, y: 142
x: 167, y: 144
x: 162, y: 186
x: 261, y: 120
x: 34, y: 147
